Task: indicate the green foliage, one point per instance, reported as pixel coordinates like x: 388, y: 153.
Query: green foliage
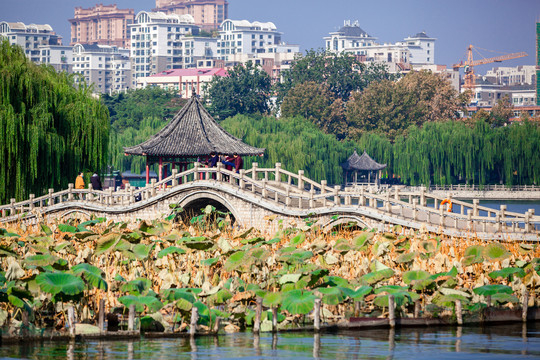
x: 49, y: 130
x: 245, y: 90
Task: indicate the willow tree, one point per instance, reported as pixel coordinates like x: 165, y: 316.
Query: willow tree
x: 49, y: 130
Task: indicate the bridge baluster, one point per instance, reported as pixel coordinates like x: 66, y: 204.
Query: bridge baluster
x: 51, y: 191
x: 196, y: 172
x: 415, y: 212
x: 441, y: 215
x: 70, y: 192
x: 337, y: 200
x: 323, y: 191
x: 300, y: 179
x: 174, y: 179
x: 423, y: 197
x: 311, y: 194
x: 13, y: 211
x: 218, y: 171
x: 254, y: 166
x: 396, y: 193
x: 288, y: 195
x: 470, y: 221
x: 264, y: 191
x: 242, y: 181
x: 131, y: 197
x: 153, y: 187
x: 277, y: 174
x: 475, y: 207
x: 31, y: 201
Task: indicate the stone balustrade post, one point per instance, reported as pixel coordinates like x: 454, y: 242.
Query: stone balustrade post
x: 13, y: 210
x: 131, y: 196
x: 499, y: 223
x: 174, y: 179
x: 503, y: 211
x: 111, y: 200
x: 311, y: 195
x: 70, y: 191
x: 415, y: 211
x: 396, y: 193
x: 362, y: 199
x: 423, y: 197
x: 323, y: 191
x: 288, y: 195
x: 218, y: 171
x: 277, y: 175
x: 475, y: 207
x: 337, y: 200
x: 31, y: 201
x: 51, y: 202
x: 254, y: 174
x: 196, y: 171
x: 300, y: 179
x: 264, y: 191
x: 388, y: 205
x: 527, y: 221
x: 242, y: 182
x: 441, y: 215
x: 469, y: 219
x: 153, y: 187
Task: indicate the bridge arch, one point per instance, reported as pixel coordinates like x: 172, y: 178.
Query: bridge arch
x: 346, y: 219
x: 199, y: 199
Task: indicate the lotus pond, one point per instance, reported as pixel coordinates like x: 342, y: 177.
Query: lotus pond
x: 166, y: 267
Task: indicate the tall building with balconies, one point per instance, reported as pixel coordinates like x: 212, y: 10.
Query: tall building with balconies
x: 29, y: 37
x: 208, y: 14
x: 106, y: 67
x: 102, y: 24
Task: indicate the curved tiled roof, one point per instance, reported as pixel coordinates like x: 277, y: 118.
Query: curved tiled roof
x: 364, y: 162
x: 192, y: 132
x: 421, y: 35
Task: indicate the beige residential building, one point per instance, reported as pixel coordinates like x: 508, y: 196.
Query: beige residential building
x: 208, y: 14
x: 29, y: 37
x: 103, y: 25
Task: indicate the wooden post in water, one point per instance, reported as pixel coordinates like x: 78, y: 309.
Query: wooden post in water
x: 258, y: 313
x: 391, y: 311
x: 317, y: 315
x: 217, y: 325
x: 25, y: 323
x: 274, y: 319
x: 416, y: 309
x: 101, y: 316
x: 71, y: 321
x: 525, y: 306
x: 131, y: 317
x: 193, y: 323
x: 459, y: 314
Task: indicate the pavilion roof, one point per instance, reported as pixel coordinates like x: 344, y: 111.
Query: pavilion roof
x: 364, y: 162
x: 192, y: 132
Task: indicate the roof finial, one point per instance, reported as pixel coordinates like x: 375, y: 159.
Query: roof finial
x: 193, y: 91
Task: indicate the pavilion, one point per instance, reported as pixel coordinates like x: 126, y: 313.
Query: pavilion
x: 365, y: 165
x: 192, y: 134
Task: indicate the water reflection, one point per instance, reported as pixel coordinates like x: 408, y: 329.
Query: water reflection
x: 509, y: 341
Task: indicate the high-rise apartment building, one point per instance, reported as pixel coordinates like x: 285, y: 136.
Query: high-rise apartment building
x: 106, y: 67
x: 162, y: 42
x: 29, y: 37
x: 208, y: 14
x: 102, y: 24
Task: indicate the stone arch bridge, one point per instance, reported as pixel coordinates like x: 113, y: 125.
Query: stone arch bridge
x: 267, y: 198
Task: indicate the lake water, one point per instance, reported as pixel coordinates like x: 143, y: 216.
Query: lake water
x: 495, y: 342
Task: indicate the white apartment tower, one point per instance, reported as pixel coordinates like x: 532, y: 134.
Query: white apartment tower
x: 106, y: 67
x: 29, y: 37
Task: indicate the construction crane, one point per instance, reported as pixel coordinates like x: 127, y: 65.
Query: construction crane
x: 470, y: 78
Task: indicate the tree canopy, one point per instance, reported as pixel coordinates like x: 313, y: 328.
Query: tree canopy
x: 49, y: 130
x: 245, y: 90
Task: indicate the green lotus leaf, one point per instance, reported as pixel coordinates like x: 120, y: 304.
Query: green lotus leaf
x: 183, y: 304
x: 507, y: 273
x: 245, y: 234
x: 289, y: 278
x: 47, y: 230
x: 420, y: 279
x: 259, y: 253
x: 106, y: 243
x: 235, y: 261
x: 363, y: 239
x: 40, y: 260
x: 316, y: 275
x: 391, y: 289
x: 6, y: 233
x: 331, y: 295
x: 170, y: 250
x: 298, y: 239
x: 20, y: 293
x: 67, y: 228
x: 377, y: 276
x: 273, y: 241
x: 400, y: 299
x: 357, y: 294
x: 199, y: 243
x: 65, y: 245
x: 129, y: 300
x: 504, y: 298
x: 296, y: 257
x: 449, y: 300
x: 93, y: 275
x: 405, y: 258
x: 342, y: 245
x: 133, y: 237
x: 473, y: 255
x: 493, y: 289
x: 174, y: 294
x: 377, y: 266
x: 446, y: 291
x: 60, y: 283
x: 495, y: 252
x: 222, y: 296
x: 272, y: 299
x: 141, y: 251
x: 298, y: 301
x: 138, y: 286
x: 210, y: 262
x: 335, y: 281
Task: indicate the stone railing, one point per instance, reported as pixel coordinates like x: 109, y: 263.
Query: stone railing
x: 294, y: 191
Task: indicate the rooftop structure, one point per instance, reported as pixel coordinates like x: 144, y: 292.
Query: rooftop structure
x: 208, y: 14
x: 363, y: 164
x: 510, y: 76
x: 101, y: 24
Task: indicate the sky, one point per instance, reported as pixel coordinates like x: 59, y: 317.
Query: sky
x: 502, y: 26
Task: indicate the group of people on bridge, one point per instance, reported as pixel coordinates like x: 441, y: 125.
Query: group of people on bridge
x: 230, y: 162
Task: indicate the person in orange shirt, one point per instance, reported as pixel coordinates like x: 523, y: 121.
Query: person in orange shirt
x: 79, y: 182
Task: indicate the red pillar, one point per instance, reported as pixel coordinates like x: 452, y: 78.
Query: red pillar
x: 160, y: 168
x: 147, y: 171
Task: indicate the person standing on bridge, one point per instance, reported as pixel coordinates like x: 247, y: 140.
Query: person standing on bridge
x: 96, y: 182
x: 238, y: 162
x: 79, y: 181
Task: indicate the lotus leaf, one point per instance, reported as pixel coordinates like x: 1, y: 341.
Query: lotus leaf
x: 376, y: 276
x: 209, y: 262
x: 400, y: 299
x: 446, y: 291
x: 245, y: 234
x: 40, y: 260
x: 391, y: 289
x: 298, y: 239
x: 357, y: 294
x: 272, y: 299
x: 335, y: 281
x: 415, y: 275
x: 449, y: 300
x: 316, y: 275
x: 170, y: 250
x: 330, y: 259
x: 495, y: 252
x: 92, y: 274
x: 67, y: 228
x: 235, y: 261
x: 429, y: 246
x: 473, y: 255
x: 296, y: 257
x: 47, y: 230
x: 254, y: 240
x: 152, y: 303
x: 363, y: 239
x: 183, y: 304
x: 507, y: 273
x: 298, y: 301
x: 141, y: 251
x: 377, y: 265
x: 289, y: 278
x: 199, y: 243
x: 174, y: 294
x: 504, y: 298
x: 106, y: 243
x: 331, y: 295
x: 222, y: 296
x: 6, y: 251
x: 139, y: 286
x: 6, y: 233
x: 405, y: 258
x: 342, y: 245
x: 493, y: 289
x: 389, y: 236
x: 60, y: 283
x: 273, y: 241
x: 14, y: 271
